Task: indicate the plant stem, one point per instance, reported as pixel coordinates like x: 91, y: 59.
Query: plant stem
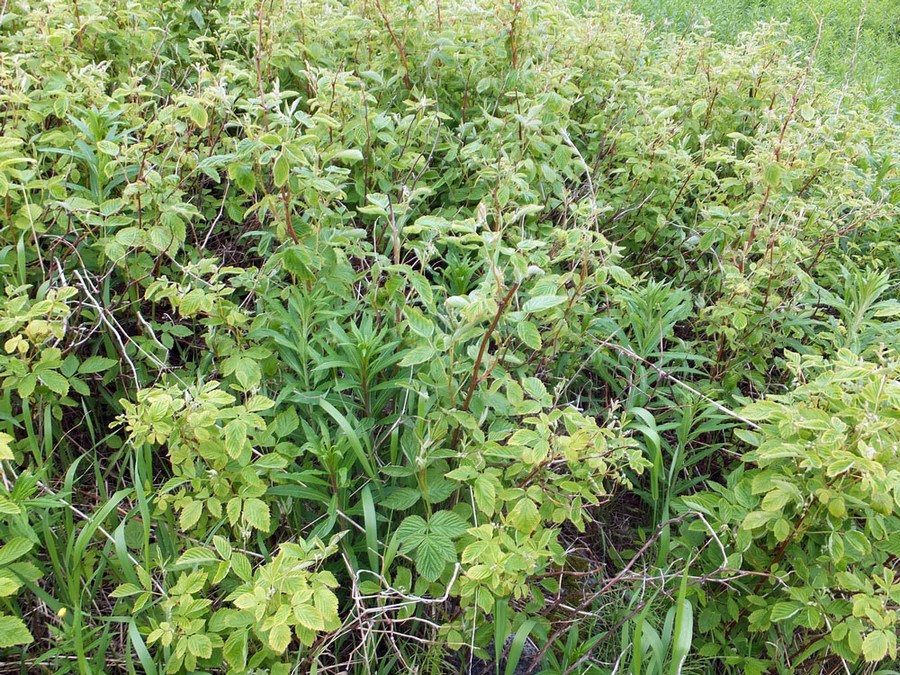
x: 473, y: 382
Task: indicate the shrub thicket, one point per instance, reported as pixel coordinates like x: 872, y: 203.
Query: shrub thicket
x: 398, y: 336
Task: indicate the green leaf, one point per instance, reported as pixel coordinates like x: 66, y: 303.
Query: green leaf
x: 542, y: 303
x: 54, y: 382
x: 108, y: 148
x: 196, y: 556
x: 517, y: 646
x: 776, y: 500
x: 529, y: 334
x: 410, y: 532
x: 13, y: 632
x: 256, y: 513
x: 233, y: 510
x: 309, y: 617
x: 279, y: 638
x: 271, y: 140
x: 352, y: 436
x: 6, y: 451
x: 190, y: 515
x: 684, y: 627
x: 756, y: 519
x: 784, y: 610
x: 26, y: 385
x: 401, y: 499
x: 524, y: 516
x: 856, y: 544
x: 223, y: 547
x: 432, y: 555
x: 419, y: 323
x: 6, y: 506
x: 772, y: 175
x: 840, y: 466
x: 247, y: 372
x: 200, y: 646
x: 235, y: 438
x: 241, y: 566
x: 709, y: 618
x: 448, y: 524
x: 9, y: 586
x: 485, y: 494
x: 236, y: 649
x: 417, y: 355
x: 14, y: 549
x: 878, y: 644
x: 198, y: 114
x: 348, y: 156
x: 281, y: 171
x: 782, y: 529
x: 327, y: 604
x: 125, y: 590
x: 95, y: 364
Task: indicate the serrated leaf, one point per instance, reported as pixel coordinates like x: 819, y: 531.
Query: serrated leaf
x: 279, y: 638
x: 309, y: 617
x: 286, y: 423
x: 235, y: 438
x: 14, y: 549
x: 223, y: 547
x: 485, y: 494
x: 9, y: 586
x: 529, y: 334
x: 235, y: 650
x: 125, y: 590
x: 327, y: 604
x: 13, y: 632
x: 6, y: 448
x: 524, y: 516
x: 190, y: 515
x: 233, y: 510
x: 410, y: 532
x: 878, y: 644
x: 26, y: 385
x: 196, y: 556
x: 256, y: 513
x: 432, y: 555
x: 54, y: 382
x: 241, y: 566
x: 247, y: 372
x: 200, y: 646
x: 448, y: 524
x: 401, y: 499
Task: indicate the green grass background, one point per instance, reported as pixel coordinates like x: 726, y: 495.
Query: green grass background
x: 877, y: 64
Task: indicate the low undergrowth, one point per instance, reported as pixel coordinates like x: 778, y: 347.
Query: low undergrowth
x: 451, y: 337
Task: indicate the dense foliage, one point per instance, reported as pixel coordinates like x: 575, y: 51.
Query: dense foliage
x: 457, y: 336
